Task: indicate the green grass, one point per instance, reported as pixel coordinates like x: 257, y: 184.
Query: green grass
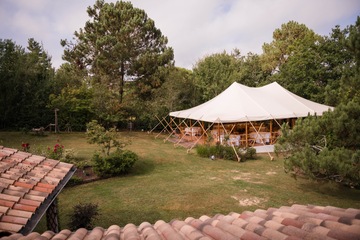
x: 167, y: 183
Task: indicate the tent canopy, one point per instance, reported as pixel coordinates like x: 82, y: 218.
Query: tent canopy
x: 239, y: 103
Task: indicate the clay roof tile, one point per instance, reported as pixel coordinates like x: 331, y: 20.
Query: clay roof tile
x: 79, y: 234
x: 95, y: 234
x: 113, y: 232
x: 149, y: 232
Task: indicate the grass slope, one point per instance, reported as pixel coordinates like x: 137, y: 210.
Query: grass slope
x: 167, y: 183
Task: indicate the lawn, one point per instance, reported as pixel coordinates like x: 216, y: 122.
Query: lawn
x: 167, y: 183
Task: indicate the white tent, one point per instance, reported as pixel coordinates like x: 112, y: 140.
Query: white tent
x: 239, y: 103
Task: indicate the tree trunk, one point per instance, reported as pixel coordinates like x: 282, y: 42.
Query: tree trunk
x: 121, y: 86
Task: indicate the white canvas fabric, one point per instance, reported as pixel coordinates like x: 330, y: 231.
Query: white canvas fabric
x: 239, y: 103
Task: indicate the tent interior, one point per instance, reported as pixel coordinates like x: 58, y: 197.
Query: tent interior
x: 240, y: 116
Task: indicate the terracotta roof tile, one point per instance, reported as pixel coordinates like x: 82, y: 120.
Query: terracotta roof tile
x: 6, y: 203
x: 9, y: 197
x: 9, y: 176
x: 19, y: 213
x: 46, y: 185
x: 52, y: 180
x: 13, y: 193
x: 47, y: 235
x: 29, y: 202
x: 16, y: 220
x: 24, y: 207
x: 10, y: 227
x: 6, y: 180
x: 113, y: 232
x: 63, y: 166
x: 4, y: 185
x: 29, y: 179
x: 4, y: 209
x: 34, y: 197
x: 166, y: 230
x: 38, y: 193
x: 294, y: 232
x: 19, y: 189
x: 42, y: 189
x: 80, y: 233
x: 15, y: 174
x: 130, y: 232
x: 96, y: 234
x: 260, y: 224
x: 63, y: 234
x: 292, y: 222
x: 149, y: 232
x: 273, y: 225
x: 25, y: 186
x: 230, y: 228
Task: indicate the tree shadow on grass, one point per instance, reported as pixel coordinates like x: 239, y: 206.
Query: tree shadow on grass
x: 143, y: 167
x: 332, y: 189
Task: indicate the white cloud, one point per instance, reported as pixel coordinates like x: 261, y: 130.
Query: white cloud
x: 194, y: 28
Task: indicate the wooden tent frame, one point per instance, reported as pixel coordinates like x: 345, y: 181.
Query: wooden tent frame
x: 168, y: 124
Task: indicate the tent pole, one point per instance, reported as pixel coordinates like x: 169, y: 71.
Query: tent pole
x: 182, y: 135
x: 262, y: 141
x: 168, y: 125
x: 204, y: 131
x: 232, y: 145
x: 155, y: 125
x: 271, y: 131
x: 246, y: 135
x: 172, y: 130
x: 198, y: 140
x: 163, y: 119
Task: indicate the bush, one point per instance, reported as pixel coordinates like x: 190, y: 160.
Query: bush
x: 83, y: 215
x: 218, y: 151
x: 324, y: 147
x: 56, y: 152
x: 117, y: 163
x: 106, y: 139
x: 248, y: 153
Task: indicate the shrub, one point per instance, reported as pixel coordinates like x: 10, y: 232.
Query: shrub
x: 218, y: 151
x: 83, y: 215
x: 116, y: 163
x: 106, y: 139
x: 55, y: 153
x: 325, y: 147
x: 248, y: 153
x: 25, y: 147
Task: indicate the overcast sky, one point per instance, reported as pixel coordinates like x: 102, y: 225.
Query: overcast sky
x: 195, y: 28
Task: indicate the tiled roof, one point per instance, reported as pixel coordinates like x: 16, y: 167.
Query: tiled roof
x: 28, y: 185
x: 290, y: 223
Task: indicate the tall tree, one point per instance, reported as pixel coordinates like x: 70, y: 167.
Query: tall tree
x: 350, y: 82
x: 338, y: 60
x: 25, y: 78
x: 36, y: 85
x: 214, y: 73
x: 299, y: 61
x: 285, y: 41
x: 120, y: 44
x: 11, y: 56
x: 250, y: 72
x: 177, y: 92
